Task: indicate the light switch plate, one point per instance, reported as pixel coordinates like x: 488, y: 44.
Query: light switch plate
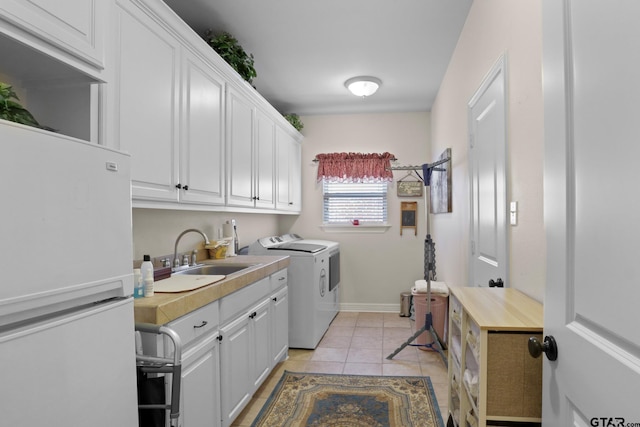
x: 513, y: 213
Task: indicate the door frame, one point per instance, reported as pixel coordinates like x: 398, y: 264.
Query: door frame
x: 499, y: 67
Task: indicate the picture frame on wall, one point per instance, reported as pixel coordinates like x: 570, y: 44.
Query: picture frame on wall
x: 409, y: 188
x: 441, y: 185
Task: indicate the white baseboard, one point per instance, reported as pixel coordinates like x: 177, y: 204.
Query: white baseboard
x: 378, y: 308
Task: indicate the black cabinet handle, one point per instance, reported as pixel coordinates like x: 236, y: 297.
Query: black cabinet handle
x: 219, y: 337
x: 252, y: 315
x: 186, y: 187
x: 201, y: 325
x: 275, y: 298
x: 178, y: 186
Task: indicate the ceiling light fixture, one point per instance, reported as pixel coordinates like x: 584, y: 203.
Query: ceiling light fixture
x: 363, y: 85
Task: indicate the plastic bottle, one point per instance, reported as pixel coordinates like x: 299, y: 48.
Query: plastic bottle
x: 138, y: 283
x: 148, y: 284
x: 145, y: 267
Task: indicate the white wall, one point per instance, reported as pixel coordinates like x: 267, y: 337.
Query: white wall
x: 375, y: 268
x: 493, y: 28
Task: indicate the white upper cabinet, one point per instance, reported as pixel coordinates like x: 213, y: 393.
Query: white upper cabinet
x: 169, y: 109
x: 289, y: 167
x: 202, y: 172
x: 74, y: 28
x: 200, y: 137
x: 240, y: 117
x: 251, y: 150
x: 146, y: 91
x: 264, y: 153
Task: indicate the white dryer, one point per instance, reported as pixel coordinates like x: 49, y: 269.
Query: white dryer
x: 313, y: 280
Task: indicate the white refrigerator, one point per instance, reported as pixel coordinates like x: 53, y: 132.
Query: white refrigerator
x: 67, y: 347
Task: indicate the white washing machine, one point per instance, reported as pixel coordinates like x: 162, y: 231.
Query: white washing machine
x: 313, y: 280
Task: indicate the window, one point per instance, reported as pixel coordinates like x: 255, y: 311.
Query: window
x: 344, y: 202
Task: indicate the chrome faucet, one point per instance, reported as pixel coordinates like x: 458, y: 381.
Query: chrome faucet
x: 176, y: 260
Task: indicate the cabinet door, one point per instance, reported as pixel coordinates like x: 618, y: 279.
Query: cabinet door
x: 295, y: 176
x: 202, y: 133
x: 146, y: 93
x: 235, y: 360
x: 75, y: 26
x: 280, y: 328
x: 289, y: 172
x: 261, y: 324
x: 200, y: 396
x: 239, y: 150
x: 264, y: 149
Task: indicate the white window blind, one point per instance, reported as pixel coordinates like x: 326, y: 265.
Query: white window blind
x: 344, y: 202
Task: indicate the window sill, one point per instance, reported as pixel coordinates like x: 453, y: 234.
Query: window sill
x: 348, y: 228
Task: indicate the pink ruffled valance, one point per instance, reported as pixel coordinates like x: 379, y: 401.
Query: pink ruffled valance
x: 355, y: 167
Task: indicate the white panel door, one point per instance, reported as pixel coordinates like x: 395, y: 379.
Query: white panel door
x: 200, y: 398
x: 261, y: 324
x: 265, y: 149
x: 591, y: 89
x: 235, y: 362
x: 76, y: 26
x: 202, y: 169
x: 240, y: 118
x: 487, y: 128
x: 146, y: 96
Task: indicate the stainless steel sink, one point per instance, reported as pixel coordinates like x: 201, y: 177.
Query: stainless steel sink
x: 209, y: 270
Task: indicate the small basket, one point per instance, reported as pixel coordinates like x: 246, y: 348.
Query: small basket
x: 218, y: 250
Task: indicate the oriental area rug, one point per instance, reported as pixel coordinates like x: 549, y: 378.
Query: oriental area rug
x: 329, y: 400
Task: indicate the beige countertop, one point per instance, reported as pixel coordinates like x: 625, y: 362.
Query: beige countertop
x: 165, y: 307
x: 500, y: 309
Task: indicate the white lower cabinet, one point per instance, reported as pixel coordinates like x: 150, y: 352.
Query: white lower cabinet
x: 229, y: 348
x: 235, y: 356
x: 200, y: 397
x: 279, y: 317
x: 245, y: 351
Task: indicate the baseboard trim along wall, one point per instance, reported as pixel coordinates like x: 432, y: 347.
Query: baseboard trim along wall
x: 378, y: 308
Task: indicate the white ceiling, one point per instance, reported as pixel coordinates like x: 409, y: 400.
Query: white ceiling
x: 305, y: 50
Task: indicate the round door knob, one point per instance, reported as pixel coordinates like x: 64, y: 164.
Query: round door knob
x: 548, y: 347
x: 496, y: 284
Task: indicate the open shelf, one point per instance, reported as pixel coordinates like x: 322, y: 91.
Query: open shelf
x: 58, y: 95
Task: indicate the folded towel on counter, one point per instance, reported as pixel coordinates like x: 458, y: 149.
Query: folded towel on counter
x: 437, y: 288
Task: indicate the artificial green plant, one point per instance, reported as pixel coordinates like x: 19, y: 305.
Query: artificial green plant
x: 295, y: 121
x: 11, y: 110
x: 232, y: 52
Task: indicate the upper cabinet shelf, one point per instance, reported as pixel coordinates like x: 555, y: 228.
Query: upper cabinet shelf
x: 55, y: 61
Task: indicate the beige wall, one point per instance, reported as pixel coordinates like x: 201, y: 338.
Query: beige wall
x: 155, y: 231
x: 494, y: 28
x: 376, y: 268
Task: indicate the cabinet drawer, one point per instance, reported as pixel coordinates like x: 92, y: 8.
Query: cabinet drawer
x: 279, y: 279
x: 197, y: 323
x: 243, y: 298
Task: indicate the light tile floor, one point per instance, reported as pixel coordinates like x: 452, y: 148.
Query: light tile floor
x: 358, y: 344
